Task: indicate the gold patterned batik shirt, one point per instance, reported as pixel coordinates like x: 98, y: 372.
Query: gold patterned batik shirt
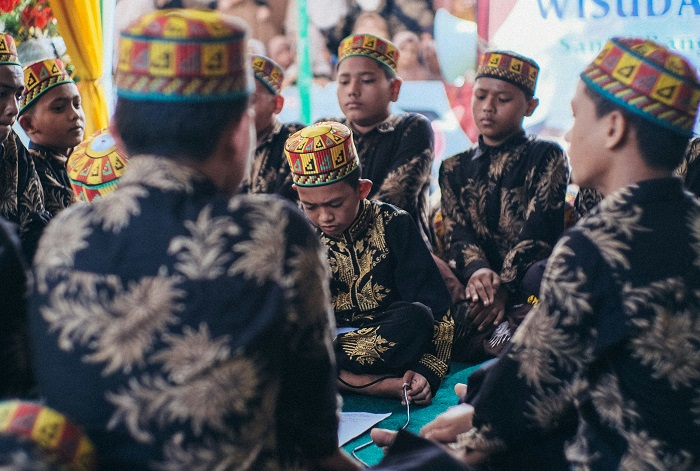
x: 380, y: 260
x: 21, y: 193
x: 269, y: 171
x: 51, y: 168
x: 185, y: 330
x: 503, y: 207
x: 613, y: 345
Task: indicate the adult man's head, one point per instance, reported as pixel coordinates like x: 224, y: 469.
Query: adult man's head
x: 326, y: 174
x: 503, y: 94
x: 11, y: 84
x: 183, y: 86
x: 634, y: 112
x: 267, y: 100
x: 367, y: 81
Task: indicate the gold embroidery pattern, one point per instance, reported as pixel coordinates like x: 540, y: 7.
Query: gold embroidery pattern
x: 365, y: 346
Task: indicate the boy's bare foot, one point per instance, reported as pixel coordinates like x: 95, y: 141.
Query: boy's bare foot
x: 389, y: 387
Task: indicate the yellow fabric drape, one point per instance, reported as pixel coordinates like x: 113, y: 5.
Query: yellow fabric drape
x: 80, y: 25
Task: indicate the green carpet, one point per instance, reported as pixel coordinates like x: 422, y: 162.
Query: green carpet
x: 445, y: 397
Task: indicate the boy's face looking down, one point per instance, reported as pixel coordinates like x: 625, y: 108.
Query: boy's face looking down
x: 365, y: 91
x: 333, y: 208
x: 56, y: 119
x: 498, y: 108
x: 11, y: 88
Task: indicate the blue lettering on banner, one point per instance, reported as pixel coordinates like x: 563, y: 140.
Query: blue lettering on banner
x: 598, y: 9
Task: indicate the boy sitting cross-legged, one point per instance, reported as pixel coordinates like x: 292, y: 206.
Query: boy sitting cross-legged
x: 387, y: 291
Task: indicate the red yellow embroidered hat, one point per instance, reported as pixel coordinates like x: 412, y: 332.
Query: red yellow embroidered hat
x: 58, y: 438
x: 268, y: 72
x: 95, y: 166
x: 40, y: 77
x: 647, y: 79
x: 369, y: 45
x: 184, y: 55
x: 510, y: 67
x: 8, y: 50
x: 321, y: 154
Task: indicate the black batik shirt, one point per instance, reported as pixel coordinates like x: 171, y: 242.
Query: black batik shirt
x: 614, y: 341
x: 186, y: 330
x: 269, y: 171
x: 381, y: 259
x: 503, y: 207
x: 51, y: 168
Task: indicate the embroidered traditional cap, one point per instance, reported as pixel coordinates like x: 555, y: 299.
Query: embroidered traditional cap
x: 8, y: 50
x: 509, y: 67
x: 648, y: 80
x: 62, y: 441
x: 95, y: 166
x: 184, y: 55
x: 268, y: 72
x: 368, y: 45
x: 321, y: 154
x: 40, y: 77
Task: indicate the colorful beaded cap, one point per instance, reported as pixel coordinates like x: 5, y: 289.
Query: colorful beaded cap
x: 40, y: 77
x: 647, y: 79
x: 509, y: 67
x: 95, y: 166
x: 368, y: 45
x: 8, y: 50
x: 268, y: 72
x: 60, y: 440
x: 184, y: 55
x: 321, y: 154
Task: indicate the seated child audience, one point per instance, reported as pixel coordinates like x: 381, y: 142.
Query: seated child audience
x: 269, y: 171
x: 502, y: 205
x: 604, y: 372
x: 385, y: 285
x: 52, y: 115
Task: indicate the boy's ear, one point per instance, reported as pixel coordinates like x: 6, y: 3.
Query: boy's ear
x: 616, y: 129
x: 395, y: 88
x: 295, y: 187
x: 532, y: 106
x: 279, y: 103
x: 364, y: 186
x: 26, y: 122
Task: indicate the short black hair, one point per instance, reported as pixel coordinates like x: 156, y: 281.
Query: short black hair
x: 660, y: 147
x: 176, y: 130
x: 353, y: 178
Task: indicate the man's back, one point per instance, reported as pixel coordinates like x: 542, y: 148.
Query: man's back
x: 168, y: 321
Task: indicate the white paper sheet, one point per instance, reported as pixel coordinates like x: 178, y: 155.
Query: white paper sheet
x: 354, y: 424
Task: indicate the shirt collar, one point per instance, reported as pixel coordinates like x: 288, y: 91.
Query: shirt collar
x: 512, y: 142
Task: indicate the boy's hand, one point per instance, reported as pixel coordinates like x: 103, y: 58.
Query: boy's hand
x: 482, y: 316
x: 418, y: 388
x: 447, y: 426
x: 482, y: 286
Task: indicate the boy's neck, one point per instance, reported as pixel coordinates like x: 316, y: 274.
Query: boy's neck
x: 496, y: 143
x: 40, y: 147
x: 367, y: 128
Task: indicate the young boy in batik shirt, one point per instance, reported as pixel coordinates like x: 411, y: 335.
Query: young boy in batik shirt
x: 386, y: 289
x: 52, y: 115
x: 502, y: 200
